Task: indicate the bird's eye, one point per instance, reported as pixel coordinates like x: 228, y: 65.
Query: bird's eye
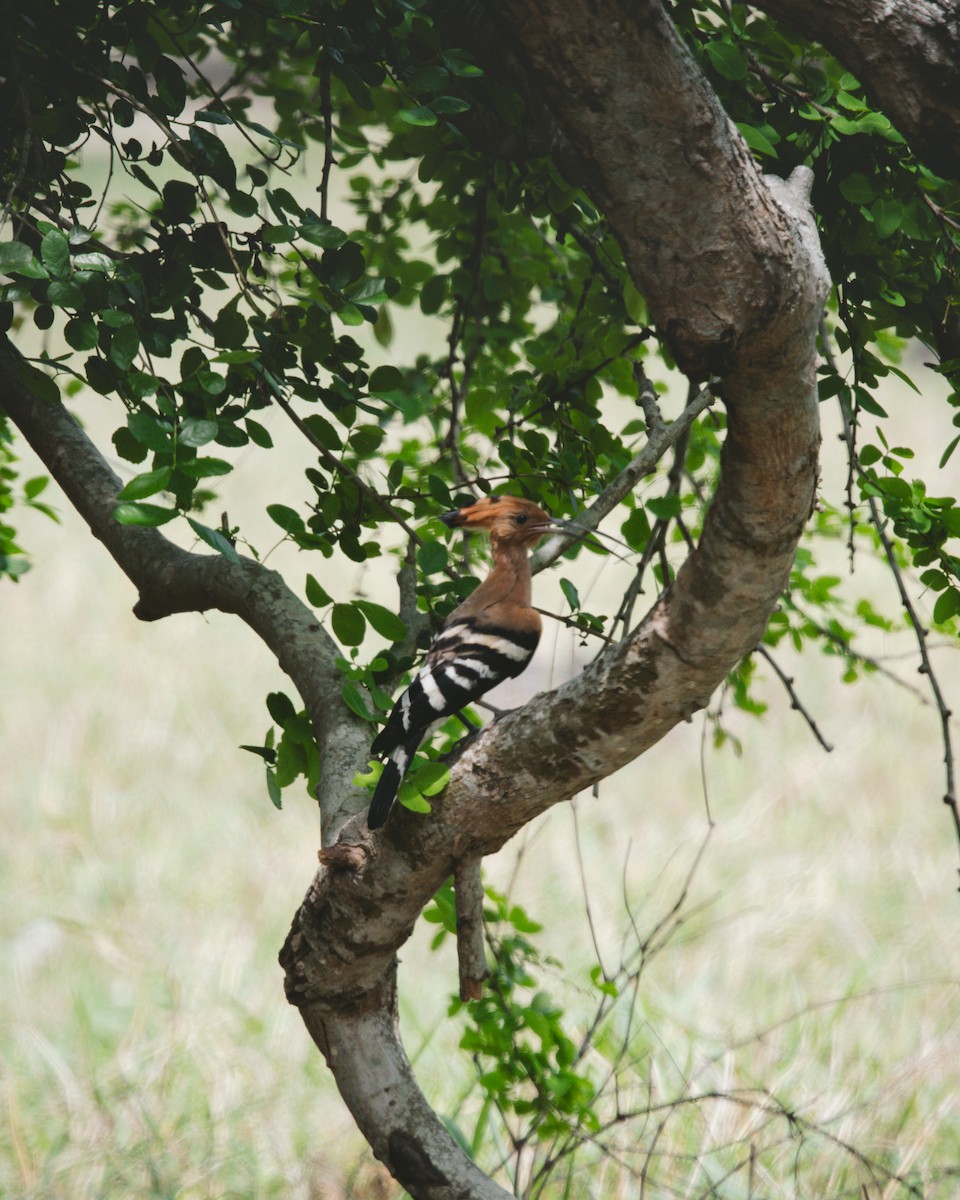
x: 521, y: 518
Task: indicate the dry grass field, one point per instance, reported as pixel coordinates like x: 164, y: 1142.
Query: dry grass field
x: 146, y: 1050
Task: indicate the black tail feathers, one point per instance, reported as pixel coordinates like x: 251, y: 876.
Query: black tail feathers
x: 386, y: 792
x: 389, y: 782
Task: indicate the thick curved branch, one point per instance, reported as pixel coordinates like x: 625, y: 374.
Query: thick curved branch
x: 906, y: 53
x: 171, y: 580
x: 731, y: 269
x: 659, y: 156
x: 362, y: 1046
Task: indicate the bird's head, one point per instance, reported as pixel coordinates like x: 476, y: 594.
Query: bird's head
x: 505, y: 518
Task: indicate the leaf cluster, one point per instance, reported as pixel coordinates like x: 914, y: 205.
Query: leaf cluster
x: 222, y: 212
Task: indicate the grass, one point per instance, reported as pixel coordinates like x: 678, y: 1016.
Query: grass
x: 146, y: 1050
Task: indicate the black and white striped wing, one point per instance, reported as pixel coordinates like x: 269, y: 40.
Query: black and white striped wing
x: 467, y: 659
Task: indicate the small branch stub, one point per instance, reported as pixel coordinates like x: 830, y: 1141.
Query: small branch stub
x: 344, y: 856
x: 471, y: 953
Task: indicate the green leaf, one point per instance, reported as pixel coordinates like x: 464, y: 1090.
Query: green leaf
x: 143, y: 514
x: 664, y: 508
x: 934, y: 579
x: 287, y: 518
x: 571, y: 593
x: 418, y: 115
x: 16, y: 258
x: 458, y: 63
x: 81, y: 333
x: 448, y: 105
x: 947, y: 606
x: 55, y: 252
x: 323, y: 431
x: 348, y: 624
x: 203, y: 468
x: 267, y: 753
x: 171, y: 85
x: 385, y: 379
x: 124, y: 346
x: 945, y: 457
x: 150, y: 431
x: 127, y: 446
x: 215, y: 539
x: 243, y: 204
x: 858, y: 188
x: 757, y: 141
x: 432, y: 557
x: 385, y: 622
x: 147, y: 484
x: 114, y: 318
x: 433, y: 294
x: 273, y: 788
x: 728, y: 59
x: 316, y: 596
x: 258, y: 434
x: 322, y: 233
x: 277, y: 234
x: 219, y: 165
x: 63, y: 294
x: 32, y: 488
x: 353, y: 698
x: 887, y: 215
x: 432, y: 778
x: 410, y: 798
x: 349, y: 314
x: 93, y: 260
x: 196, y: 431
x: 280, y: 707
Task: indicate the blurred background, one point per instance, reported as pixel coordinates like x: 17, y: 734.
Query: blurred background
x: 146, y: 1049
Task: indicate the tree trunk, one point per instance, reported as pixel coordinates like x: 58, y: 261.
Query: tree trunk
x: 731, y: 269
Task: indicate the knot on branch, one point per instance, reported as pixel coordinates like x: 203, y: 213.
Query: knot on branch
x: 411, y: 1164
x: 344, y: 857
x: 699, y: 354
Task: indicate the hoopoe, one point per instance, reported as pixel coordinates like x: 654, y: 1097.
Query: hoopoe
x: 490, y: 637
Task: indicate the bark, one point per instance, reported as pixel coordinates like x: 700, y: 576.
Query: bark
x: 906, y: 53
x: 732, y: 273
x: 731, y: 268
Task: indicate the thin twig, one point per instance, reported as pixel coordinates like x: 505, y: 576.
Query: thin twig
x: 866, y: 660
x: 795, y: 701
x: 919, y: 629
x: 656, y: 445
x: 337, y: 465
x: 326, y: 113
x: 655, y: 544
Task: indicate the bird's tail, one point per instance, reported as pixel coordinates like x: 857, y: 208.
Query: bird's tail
x: 389, y: 782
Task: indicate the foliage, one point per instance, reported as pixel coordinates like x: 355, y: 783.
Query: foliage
x: 164, y: 248
x: 212, y: 290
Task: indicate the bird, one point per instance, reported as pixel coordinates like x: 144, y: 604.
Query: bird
x: 488, y: 638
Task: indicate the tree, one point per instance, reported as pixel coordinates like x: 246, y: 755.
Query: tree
x: 573, y: 193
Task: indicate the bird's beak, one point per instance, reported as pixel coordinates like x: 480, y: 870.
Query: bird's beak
x: 452, y: 519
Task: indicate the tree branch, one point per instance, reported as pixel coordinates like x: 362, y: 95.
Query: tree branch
x: 731, y: 269
x: 660, y: 437
x: 471, y: 948
x: 906, y: 53
x: 171, y: 580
